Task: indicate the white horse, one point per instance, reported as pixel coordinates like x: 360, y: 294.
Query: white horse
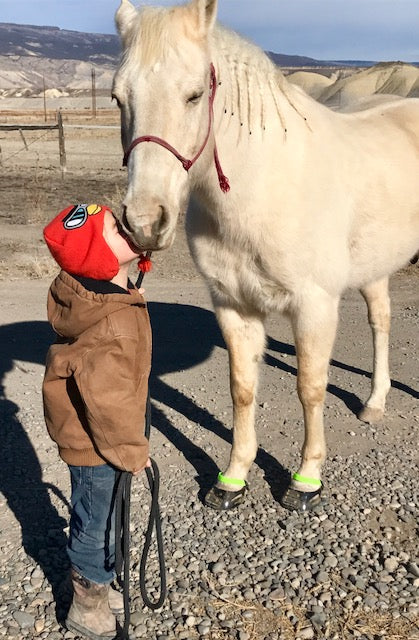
x: 293, y: 204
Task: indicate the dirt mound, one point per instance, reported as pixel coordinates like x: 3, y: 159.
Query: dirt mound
x: 313, y: 83
x: 414, y: 91
x: 27, y: 73
x: 388, y: 78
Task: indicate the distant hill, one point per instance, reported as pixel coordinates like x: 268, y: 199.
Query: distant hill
x: 31, y: 55
x: 283, y: 60
x: 59, y: 44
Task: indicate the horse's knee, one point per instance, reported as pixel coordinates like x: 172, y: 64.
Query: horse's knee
x: 242, y: 396
x: 379, y: 321
x: 378, y: 302
x: 311, y: 392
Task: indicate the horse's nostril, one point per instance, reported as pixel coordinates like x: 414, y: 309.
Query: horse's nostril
x: 125, y: 220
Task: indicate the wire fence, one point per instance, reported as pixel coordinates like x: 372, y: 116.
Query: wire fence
x: 40, y: 127
x: 75, y: 132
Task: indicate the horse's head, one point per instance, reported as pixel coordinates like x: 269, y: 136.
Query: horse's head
x: 163, y: 89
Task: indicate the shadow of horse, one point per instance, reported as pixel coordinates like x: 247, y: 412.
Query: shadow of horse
x: 183, y: 336
x: 352, y: 402
x: 21, y: 482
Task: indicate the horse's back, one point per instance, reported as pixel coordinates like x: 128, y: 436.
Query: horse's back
x: 404, y: 114
x: 368, y: 102
x: 394, y: 121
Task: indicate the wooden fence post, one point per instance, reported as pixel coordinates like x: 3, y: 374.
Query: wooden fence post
x: 23, y: 139
x: 45, y: 100
x: 93, y: 93
x: 63, y: 160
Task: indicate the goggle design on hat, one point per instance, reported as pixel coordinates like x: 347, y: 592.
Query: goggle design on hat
x: 78, y: 215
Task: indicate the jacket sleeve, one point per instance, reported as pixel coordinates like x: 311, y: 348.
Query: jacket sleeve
x: 115, y: 397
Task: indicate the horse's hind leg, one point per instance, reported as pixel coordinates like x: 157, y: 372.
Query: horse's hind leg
x: 245, y: 340
x: 378, y: 301
x: 314, y: 325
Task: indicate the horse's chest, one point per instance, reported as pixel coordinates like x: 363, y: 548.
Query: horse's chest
x: 236, y: 277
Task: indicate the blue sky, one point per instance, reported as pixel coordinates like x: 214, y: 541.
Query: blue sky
x: 325, y: 29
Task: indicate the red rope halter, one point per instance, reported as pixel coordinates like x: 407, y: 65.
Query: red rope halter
x: 187, y: 164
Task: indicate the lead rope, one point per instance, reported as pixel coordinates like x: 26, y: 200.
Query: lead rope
x: 122, y: 526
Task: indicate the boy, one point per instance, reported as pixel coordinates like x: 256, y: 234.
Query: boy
x: 95, y: 393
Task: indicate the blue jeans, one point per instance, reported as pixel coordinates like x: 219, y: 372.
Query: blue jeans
x: 91, y: 544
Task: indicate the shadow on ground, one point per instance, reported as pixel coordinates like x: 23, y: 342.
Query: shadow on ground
x: 183, y: 336
x: 21, y: 482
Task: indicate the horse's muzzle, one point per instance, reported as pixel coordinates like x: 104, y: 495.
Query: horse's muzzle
x: 149, y: 232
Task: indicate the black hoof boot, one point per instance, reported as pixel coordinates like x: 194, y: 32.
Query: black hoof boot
x: 223, y: 500
x: 294, y: 500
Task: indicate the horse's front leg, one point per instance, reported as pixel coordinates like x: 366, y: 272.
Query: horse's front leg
x: 245, y: 339
x: 314, y: 325
x: 378, y: 302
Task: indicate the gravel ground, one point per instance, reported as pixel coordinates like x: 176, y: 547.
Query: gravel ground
x: 350, y: 570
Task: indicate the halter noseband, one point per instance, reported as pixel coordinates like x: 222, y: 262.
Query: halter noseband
x: 187, y: 164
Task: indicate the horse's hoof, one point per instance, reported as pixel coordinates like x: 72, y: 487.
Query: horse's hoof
x: 223, y: 500
x: 370, y: 415
x: 294, y: 500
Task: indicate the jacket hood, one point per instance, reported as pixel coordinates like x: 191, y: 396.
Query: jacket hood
x: 72, y: 309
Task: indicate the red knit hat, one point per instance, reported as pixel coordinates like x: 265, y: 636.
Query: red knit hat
x: 75, y: 239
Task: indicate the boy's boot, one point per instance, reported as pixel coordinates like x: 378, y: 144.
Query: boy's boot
x: 116, y: 601
x: 89, y: 613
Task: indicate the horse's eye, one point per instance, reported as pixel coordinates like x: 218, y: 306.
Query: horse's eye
x: 195, y: 97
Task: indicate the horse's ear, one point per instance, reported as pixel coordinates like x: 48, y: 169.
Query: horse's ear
x: 124, y: 17
x: 206, y: 12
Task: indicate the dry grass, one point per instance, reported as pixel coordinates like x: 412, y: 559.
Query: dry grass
x: 260, y: 625
x: 376, y: 624
x: 341, y: 627
x: 70, y: 116
x: 39, y: 267
x: 36, y: 199
x: 258, y: 621
x: 31, y: 268
x: 114, y: 200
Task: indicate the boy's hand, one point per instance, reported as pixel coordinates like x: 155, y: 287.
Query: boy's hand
x: 138, y: 471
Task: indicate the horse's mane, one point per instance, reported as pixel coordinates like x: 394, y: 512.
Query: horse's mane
x: 152, y: 34
x: 254, y: 78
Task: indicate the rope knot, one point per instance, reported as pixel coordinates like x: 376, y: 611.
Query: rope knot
x: 186, y: 164
x: 224, y: 183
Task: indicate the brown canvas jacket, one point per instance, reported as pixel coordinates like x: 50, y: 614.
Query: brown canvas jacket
x: 96, y: 378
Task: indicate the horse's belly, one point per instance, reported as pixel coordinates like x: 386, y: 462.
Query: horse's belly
x: 384, y: 242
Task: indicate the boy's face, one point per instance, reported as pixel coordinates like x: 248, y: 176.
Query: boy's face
x: 119, y: 244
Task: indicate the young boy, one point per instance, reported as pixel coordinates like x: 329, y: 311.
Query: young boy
x: 95, y: 393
